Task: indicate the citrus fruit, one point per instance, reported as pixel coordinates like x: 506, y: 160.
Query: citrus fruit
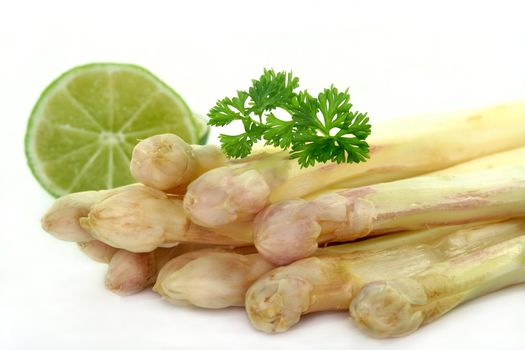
x: 85, y: 124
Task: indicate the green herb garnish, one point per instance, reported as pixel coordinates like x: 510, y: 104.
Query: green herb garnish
x: 321, y: 129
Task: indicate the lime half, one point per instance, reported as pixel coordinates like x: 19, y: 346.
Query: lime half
x: 83, y: 128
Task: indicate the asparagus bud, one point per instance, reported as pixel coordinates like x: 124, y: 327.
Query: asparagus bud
x: 388, y: 207
x: 226, y: 196
x: 166, y: 162
x: 141, y: 219
x: 210, y: 279
x: 221, y: 196
x: 329, y: 282
x: 130, y: 273
x: 393, y: 308
x: 62, y: 219
x: 97, y: 250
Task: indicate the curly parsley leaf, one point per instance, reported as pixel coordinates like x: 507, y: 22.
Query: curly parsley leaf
x: 321, y: 129
x: 272, y: 90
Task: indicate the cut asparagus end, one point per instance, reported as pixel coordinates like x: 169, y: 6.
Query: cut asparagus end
x: 138, y: 219
x: 392, y: 308
x: 221, y: 196
x: 163, y: 162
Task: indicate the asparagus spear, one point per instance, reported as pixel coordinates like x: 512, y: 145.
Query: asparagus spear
x: 216, y: 279
x: 236, y: 193
x: 166, y: 162
x: 135, y: 217
x: 399, y: 306
x: 140, y: 219
x: 493, y: 161
x: 291, y: 230
x: 278, y: 299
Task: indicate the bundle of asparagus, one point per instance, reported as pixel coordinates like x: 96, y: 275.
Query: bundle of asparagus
x: 447, y: 202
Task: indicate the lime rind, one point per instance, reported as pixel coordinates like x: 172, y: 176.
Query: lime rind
x: 37, y: 165
x: 202, y: 127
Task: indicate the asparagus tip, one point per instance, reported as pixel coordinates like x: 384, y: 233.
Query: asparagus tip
x: 274, y: 305
x: 387, y: 308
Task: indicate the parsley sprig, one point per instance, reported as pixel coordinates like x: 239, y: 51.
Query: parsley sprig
x: 320, y: 129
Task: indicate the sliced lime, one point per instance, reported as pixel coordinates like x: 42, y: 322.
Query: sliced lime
x: 85, y: 124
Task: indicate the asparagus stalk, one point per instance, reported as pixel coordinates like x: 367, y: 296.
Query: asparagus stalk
x: 278, y: 299
x: 236, y: 193
x: 141, y: 219
x: 493, y: 161
x: 291, y: 230
x: 135, y: 217
x: 217, y: 279
x: 166, y: 162
x: 397, y: 307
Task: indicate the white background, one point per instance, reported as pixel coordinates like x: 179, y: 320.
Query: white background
x: 397, y: 57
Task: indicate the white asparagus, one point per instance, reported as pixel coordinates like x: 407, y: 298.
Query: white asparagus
x: 141, y: 219
x: 237, y: 193
x: 291, y: 230
x: 398, y: 307
x: 214, y: 278
x: 498, y: 160
x: 278, y: 299
x: 135, y: 217
x: 166, y: 162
